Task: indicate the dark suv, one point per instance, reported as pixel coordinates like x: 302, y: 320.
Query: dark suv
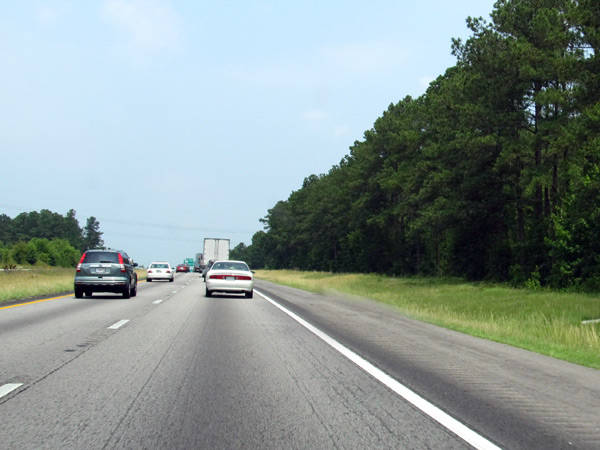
x: 105, y: 271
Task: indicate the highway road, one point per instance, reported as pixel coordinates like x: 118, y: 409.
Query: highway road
x: 173, y: 369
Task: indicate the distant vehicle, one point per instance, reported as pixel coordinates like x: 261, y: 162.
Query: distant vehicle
x: 101, y: 270
x: 230, y: 277
x: 182, y: 268
x: 216, y: 249
x: 159, y: 271
x: 207, y: 268
x: 198, y: 263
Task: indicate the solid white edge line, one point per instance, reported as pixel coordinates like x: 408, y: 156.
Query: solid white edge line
x: 157, y: 302
x: 8, y: 388
x: 119, y: 324
x: 447, y: 421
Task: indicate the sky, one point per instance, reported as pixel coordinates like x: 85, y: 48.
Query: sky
x: 172, y: 121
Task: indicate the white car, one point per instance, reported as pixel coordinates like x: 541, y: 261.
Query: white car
x: 159, y: 271
x: 230, y: 277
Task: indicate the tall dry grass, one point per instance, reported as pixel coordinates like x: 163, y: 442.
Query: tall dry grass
x: 36, y: 281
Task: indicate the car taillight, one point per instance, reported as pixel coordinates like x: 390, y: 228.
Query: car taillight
x: 237, y: 277
x: 121, y: 263
x: 168, y: 271
x: 81, y: 262
x: 149, y: 271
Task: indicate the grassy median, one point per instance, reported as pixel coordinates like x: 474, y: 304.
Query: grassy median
x: 28, y: 282
x: 540, y: 320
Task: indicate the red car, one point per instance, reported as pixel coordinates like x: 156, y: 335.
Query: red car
x: 182, y: 268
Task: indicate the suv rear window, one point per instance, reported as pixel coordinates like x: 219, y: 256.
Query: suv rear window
x: 101, y: 257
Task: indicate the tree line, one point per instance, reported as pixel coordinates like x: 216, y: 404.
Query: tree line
x: 46, y: 237
x: 493, y: 173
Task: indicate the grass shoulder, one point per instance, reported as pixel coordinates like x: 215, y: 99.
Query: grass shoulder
x: 33, y: 281
x: 543, y: 321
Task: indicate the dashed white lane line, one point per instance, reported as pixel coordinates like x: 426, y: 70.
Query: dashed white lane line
x: 157, y: 302
x: 174, y: 292
x: 118, y: 325
x: 447, y: 421
x: 8, y: 388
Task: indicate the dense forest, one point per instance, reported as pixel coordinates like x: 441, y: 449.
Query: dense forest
x: 46, y: 237
x: 493, y: 173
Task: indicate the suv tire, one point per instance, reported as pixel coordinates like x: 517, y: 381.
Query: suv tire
x: 126, y: 292
x: 78, y: 292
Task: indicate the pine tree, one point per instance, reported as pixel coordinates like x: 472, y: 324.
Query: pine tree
x: 92, y: 236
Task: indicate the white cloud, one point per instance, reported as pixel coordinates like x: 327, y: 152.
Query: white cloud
x: 314, y: 115
x: 280, y: 74
x: 341, y: 130
x: 330, y: 64
x: 425, y: 81
x: 364, y: 58
x: 149, y: 25
x: 47, y: 15
x: 322, y: 118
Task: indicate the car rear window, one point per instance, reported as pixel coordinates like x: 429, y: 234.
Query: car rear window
x: 230, y: 266
x: 159, y: 266
x: 101, y: 257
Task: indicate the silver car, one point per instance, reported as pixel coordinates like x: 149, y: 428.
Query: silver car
x: 105, y: 270
x: 230, y: 277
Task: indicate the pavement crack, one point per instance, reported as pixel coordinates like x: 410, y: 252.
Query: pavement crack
x: 109, y: 442
x: 38, y: 380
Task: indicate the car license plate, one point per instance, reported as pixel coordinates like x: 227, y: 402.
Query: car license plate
x: 230, y: 278
x: 99, y: 270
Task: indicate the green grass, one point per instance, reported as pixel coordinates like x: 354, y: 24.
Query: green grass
x: 36, y: 281
x: 542, y: 321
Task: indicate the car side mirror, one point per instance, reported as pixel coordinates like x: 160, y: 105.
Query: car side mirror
x: 135, y: 264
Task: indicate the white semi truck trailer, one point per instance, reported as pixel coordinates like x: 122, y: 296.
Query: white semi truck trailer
x: 215, y: 249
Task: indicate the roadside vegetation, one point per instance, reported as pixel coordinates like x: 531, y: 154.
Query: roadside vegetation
x: 492, y: 174
x: 33, y: 281
x: 39, y: 252
x: 536, y: 319
x: 46, y: 238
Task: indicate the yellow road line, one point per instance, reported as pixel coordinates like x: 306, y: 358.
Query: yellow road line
x: 36, y: 301
x: 42, y: 300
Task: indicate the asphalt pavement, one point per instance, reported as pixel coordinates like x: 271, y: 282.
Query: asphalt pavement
x: 173, y: 369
